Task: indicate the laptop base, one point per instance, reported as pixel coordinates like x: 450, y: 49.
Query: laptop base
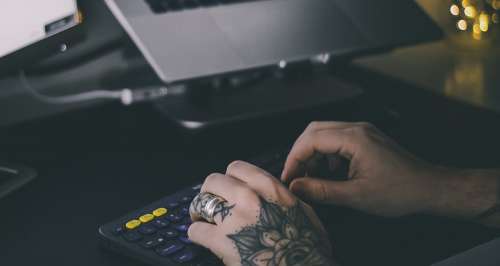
x: 257, y: 96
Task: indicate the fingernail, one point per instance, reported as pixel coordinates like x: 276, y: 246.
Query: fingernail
x: 296, y: 188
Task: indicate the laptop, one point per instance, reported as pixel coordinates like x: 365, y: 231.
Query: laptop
x: 191, y: 39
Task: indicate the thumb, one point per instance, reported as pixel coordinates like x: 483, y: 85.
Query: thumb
x: 325, y: 191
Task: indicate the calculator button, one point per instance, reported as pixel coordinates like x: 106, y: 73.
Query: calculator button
x: 187, y: 220
x: 160, y: 223
x: 118, y: 230
x: 184, y: 210
x: 185, y: 239
x: 160, y: 212
x: 147, y: 229
x: 185, y: 255
x: 169, y: 233
x: 146, y: 217
x: 182, y: 228
x: 186, y: 199
x: 174, y: 217
x: 152, y: 243
x: 172, y: 205
x: 169, y: 248
x: 132, y: 224
x: 132, y: 236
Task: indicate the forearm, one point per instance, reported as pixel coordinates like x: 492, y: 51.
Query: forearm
x: 469, y: 194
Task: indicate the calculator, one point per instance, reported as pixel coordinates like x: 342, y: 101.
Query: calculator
x: 157, y: 233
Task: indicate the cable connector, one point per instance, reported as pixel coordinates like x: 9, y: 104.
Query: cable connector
x: 126, y: 96
x: 129, y: 96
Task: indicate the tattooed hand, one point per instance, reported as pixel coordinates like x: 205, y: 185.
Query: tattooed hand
x: 262, y: 223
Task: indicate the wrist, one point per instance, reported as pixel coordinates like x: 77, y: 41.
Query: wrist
x: 463, y: 193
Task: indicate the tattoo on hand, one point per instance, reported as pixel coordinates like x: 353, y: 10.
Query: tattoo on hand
x: 280, y: 237
x: 224, y: 210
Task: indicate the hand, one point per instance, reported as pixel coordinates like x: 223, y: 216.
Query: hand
x: 384, y: 179
x: 261, y: 223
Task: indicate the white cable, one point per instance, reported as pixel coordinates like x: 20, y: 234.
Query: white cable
x: 126, y: 96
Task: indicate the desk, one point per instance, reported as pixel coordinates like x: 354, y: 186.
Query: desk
x: 97, y: 164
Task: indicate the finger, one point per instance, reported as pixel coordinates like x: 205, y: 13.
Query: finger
x: 258, y: 179
x: 223, y: 185
x: 205, y: 234
x: 325, y: 191
x: 302, y: 166
x: 328, y: 141
x: 227, y: 187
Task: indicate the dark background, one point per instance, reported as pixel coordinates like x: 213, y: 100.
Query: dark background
x: 97, y: 162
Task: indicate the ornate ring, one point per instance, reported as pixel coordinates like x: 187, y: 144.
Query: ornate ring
x: 204, y: 205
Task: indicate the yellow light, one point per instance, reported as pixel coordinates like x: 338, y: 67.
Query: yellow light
x: 79, y: 16
x: 484, y: 21
x: 454, y: 10
x: 495, y: 4
x: 470, y: 12
x: 462, y: 25
x: 476, y: 28
x: 465, y: 3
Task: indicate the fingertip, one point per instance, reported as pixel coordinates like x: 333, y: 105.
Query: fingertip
x: 284, y: 176
x: 298, y: 187
x: 198, y: 231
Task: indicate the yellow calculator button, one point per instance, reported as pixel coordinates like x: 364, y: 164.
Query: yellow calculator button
x: 132, y: 224
x: 159, y: 212
x: 146, y: 217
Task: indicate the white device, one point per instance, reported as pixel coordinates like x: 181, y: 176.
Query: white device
x: 25, y: 22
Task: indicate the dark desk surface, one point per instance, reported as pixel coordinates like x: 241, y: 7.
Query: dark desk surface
x: 99, y: 163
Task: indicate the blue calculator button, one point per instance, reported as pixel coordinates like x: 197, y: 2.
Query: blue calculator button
x: 185, y: 239
x: 169, y: 233
x: 187, y: 220
x: 132, y: 236
x: 169, y: 248
x: 147, y: 229
x: 172, y: 205
x: 160, y: 223
x: 182, y: 228
x: 151, y: 243
x: 118, y: 230
x: 184, y: 210
x: 174, y: 217
x: 186, y: 199
x: 185, y: 255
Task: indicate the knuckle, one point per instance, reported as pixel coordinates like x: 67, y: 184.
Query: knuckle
x: 360, y: 131
x: 234, y: 165
x: 211, y: 178
x: 322, y: 192
x: 313, y: 125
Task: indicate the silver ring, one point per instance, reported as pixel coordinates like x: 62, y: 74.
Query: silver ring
x: 204, y: 205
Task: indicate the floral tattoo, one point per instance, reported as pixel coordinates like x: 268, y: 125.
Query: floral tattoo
x: 280, y: 237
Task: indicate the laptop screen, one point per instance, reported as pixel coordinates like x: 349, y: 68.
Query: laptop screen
x: 25, y: 22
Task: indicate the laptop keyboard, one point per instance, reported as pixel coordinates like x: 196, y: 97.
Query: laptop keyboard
x: 163, y: 6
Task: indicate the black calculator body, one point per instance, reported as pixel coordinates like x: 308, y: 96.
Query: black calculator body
x: 157, y: 233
